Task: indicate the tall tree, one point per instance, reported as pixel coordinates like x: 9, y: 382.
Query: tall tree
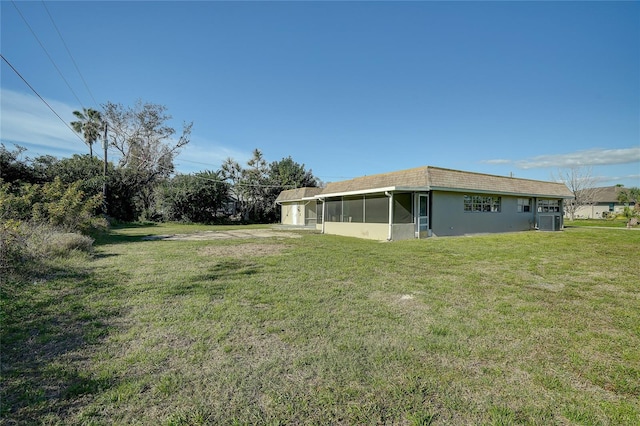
x: 630, y: 196
x: 233, y: 173
x: 286, y: 174
x: 247, y: 184
x: 256, y: 183
x: 143, y: 138
x: 257, y: 186
x: 89, y: 124
x: 289, y: 174
x: 147, y: 146
x: 582, y: 184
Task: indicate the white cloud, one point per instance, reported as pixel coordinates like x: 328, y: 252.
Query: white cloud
x: 25, y: 119
x: 498, y: 161
x: 617, y: 179
x: 590, y: 157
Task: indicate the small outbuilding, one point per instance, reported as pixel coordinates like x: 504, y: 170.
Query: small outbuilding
x: 298, y: 206
x: 426, y: 201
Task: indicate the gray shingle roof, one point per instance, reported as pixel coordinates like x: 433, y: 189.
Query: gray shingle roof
x: 417, y: 178
x: 607, y: 194
x: 428, y: 177
x: 459, y: 180
x: 297, y: 194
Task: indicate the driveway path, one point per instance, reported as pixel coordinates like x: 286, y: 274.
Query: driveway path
x: 225, y: 235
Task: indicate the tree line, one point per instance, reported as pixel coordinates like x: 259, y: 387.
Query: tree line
x: 142, y: 183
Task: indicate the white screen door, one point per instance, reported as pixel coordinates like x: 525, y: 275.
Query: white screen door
x: 423, y: 215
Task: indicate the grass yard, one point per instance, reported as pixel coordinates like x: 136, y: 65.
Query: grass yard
x: 524, y: 328
x: 608, y: 223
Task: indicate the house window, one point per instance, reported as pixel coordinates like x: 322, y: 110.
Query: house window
x: 547, y: 206
x: 482, y: 203
x: 353, y: 209
x: 524, y: 205
x: 403, y: 208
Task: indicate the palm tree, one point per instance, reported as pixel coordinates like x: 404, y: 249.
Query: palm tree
x: 89, y: 124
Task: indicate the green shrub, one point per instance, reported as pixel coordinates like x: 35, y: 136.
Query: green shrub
x: 25, y: 243
x: 54, y: 203
x: 12, y: 244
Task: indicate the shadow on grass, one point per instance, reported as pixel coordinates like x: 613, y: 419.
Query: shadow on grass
x: 48, y: 329
x: 216, y: 281
x: 135, y: 225
x: 229, y: 268
x: 109, y: 238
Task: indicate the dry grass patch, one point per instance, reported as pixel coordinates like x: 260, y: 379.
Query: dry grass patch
x: 242, y: 250
x: 223, y: 235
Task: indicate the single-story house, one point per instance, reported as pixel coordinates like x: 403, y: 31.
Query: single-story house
x: 426, y: 201
x: 604, y: 201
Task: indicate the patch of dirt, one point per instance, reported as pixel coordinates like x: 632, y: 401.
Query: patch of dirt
x: 407, y: 301
x: 547, y: 286
x: 243, y: 250
x: 224, y: 235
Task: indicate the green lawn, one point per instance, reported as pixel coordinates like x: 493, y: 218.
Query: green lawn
x: 523, y: 328
x: 609, y: 223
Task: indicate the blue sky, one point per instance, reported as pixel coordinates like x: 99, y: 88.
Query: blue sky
x: 346, y: 88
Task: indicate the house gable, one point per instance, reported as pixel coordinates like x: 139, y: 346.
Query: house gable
x: 297, y: 194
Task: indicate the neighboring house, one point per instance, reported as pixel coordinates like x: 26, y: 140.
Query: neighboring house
x: 228, y: 207
x: 426, y: 201
x: 605, y: 201
x: 298, y: 206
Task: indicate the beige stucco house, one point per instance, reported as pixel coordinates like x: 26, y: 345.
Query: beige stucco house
x: 605, y: 201
x: 426, y: 201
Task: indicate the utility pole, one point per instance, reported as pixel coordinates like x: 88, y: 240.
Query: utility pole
x: 104, y: 170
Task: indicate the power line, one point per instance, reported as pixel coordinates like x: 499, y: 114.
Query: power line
x: 339, y: 177
x: 35, y: 153
x: 196, y: 162
x: 241, y: 184
x: 47, y: 53
x: 41, y: 98
x: 69, y: 52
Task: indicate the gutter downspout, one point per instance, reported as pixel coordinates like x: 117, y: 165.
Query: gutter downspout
x: 390, y: 195
x: 324, y: 217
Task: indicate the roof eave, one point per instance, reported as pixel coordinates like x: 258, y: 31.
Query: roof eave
x: 493, y: 191
x: 373, y: 191
x: 295, y: 199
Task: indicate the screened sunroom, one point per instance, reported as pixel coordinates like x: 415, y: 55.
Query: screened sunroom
x: 378, y: 215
